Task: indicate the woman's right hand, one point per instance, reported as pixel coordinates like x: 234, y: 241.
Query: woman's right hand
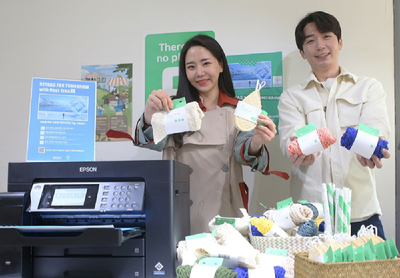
x: 156, y: 102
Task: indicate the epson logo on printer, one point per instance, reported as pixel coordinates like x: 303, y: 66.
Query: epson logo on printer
x: 87, y: 169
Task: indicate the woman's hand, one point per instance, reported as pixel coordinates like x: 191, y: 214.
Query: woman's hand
x: 262, y: 134
x: 156, y: 102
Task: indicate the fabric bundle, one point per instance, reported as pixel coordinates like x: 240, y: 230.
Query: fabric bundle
x: 325, y: 136
x: 349, y: 136
x: 193, y: 114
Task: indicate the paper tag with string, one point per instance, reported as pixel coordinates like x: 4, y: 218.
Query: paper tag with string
x: 247, y: 111
x: 366, y: 140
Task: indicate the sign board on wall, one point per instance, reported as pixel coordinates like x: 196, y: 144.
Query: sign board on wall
x: 61, y: 120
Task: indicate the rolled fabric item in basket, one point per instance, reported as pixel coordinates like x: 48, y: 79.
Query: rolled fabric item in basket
x: 317, y: 209
x: 313, y: 208
x: 228, y: 236
x: 185, y: 256
x: 267, y: 227
x: 308, y: 229
x: 292, y: 216
x: 241, y: 272
x: 254, y: 231
x: 241, y: 224
x: 234, y: 256
x: 350, y: 135
x: 324, y: 135
x: 182, y: 247
x: 300, y: 214
x: 279, y: 272
x: 193, y: 115
x: 321, y: 224
x: 186, y: 248
x: 286, y: 263
x: 270, y: 214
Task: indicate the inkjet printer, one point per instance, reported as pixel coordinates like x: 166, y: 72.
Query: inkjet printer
x: 108, y: 219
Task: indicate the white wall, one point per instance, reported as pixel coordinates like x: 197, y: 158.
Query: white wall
x: 53, y: 39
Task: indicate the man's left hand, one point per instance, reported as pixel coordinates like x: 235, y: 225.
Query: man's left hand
x: 375, y: 162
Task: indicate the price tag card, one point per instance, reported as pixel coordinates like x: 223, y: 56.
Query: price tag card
x: 247, y: 111
x: 207, y: 267
x: 308, y: 139
x: 282, y: 217
x: 176, y: 121
x: 366, y: 141
x: 195, y: 241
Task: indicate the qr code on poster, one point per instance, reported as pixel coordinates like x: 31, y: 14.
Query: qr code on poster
x: 42, y: 150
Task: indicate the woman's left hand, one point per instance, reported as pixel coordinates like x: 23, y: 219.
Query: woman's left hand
x: 262, y: 133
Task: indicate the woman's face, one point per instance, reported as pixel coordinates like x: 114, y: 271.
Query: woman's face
x: 202, y: 70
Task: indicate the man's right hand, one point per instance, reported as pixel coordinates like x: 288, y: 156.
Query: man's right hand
x: 298, y: 160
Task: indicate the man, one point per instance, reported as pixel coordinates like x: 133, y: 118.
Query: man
x: 334, y: 98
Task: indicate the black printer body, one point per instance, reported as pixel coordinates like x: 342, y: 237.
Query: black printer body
x: 111, y: 219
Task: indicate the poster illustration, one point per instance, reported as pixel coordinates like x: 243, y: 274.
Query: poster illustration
x: 114, y: 97
x: 61, y: 120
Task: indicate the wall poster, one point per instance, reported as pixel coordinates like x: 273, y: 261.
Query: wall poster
x: 114, y: 98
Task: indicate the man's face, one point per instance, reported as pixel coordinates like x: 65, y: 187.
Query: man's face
x: 321, y: 49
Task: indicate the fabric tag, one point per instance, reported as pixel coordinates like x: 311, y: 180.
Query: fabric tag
x: 308, y: 140
x: 176, y: 121
x: 283, y: 219
x: 206, y: 268
x: 247, y: 111
x: 195, y: 241
x: 366, y: 141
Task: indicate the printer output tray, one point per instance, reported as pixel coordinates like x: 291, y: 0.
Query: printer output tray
x: 48, y: 236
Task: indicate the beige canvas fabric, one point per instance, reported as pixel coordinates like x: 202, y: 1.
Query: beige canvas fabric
x: 253, y: 99
x: 193, y: 114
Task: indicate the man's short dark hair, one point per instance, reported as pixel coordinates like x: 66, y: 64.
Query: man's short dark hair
x: 324, y: 22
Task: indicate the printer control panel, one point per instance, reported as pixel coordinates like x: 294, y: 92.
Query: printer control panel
x: 113, y: 196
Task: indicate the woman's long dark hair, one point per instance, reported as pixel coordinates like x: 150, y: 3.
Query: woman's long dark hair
x: 185, y: 89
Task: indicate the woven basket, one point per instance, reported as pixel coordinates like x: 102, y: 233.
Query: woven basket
x: 292, y: 244
x: 305, y: 268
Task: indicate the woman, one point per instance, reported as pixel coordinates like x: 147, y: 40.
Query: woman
x: 216, y: 152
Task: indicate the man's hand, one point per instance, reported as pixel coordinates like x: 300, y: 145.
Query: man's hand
x: 306, y: 160
x: 298, y: 160
x: 375, y: 162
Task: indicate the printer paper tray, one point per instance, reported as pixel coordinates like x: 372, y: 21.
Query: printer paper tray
x: 29, y: 236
